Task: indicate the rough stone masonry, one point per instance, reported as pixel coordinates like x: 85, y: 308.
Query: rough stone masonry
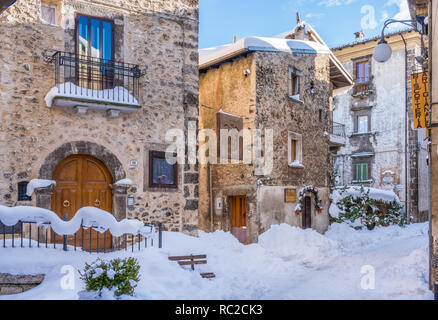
x: 162, y: 38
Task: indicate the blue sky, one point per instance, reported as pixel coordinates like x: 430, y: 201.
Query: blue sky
x: 334, y: 20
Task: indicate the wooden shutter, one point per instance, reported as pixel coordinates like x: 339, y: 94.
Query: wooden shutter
x: 293, y: 150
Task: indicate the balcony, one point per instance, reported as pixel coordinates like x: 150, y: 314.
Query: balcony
x: 362, y: 87
x: 83, y: 82
x: 337, y: 134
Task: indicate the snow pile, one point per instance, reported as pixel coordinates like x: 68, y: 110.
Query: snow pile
x: 124, y: 182
x: 70, y: 90
x: 38, y: 183
x: 265, y: 270
x: 349, y: 238
x: 305, y: 245
x: 355, y: 191
x: 96, y: 218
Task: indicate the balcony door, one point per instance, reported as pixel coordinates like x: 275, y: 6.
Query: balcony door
x: 94, y: 47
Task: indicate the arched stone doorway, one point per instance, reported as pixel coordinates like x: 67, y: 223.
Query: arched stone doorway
x: 82, y: 181
x: 106, y: 157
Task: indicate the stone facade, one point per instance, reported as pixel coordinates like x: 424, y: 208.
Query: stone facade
x: 261, y: 98
x: 159, y: 36
x: 383, y: 146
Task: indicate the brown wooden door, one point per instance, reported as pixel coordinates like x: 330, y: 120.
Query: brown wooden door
x: 82, y: 181
x: 238, y: 217
x: 307, y: 214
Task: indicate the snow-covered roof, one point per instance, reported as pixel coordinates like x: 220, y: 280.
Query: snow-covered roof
x: 211, y: 56
x: 315, y: 45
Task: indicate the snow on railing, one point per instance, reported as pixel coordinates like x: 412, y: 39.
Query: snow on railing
x: 97, y: 222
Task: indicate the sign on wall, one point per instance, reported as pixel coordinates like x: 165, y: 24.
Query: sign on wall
x: 420, y: 99
x: 290, y: 195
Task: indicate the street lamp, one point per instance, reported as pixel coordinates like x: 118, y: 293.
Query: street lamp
x: 383, y: 51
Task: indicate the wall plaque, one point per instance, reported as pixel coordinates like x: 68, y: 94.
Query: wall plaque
x: 290, y: 195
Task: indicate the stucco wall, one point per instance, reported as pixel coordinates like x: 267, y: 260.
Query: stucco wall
x: 386, y: 105
x: 164, y: 46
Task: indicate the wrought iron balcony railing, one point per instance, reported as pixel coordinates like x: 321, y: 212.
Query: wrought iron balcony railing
x: 362, y: 85
x: 94, y: 79
x: 337, y: 129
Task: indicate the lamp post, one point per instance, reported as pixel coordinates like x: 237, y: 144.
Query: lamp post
x: 382, y: 53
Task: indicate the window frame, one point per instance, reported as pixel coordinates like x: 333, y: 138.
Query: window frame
x: 161, y: 154
x: 54, y: 7
x: 367, y: 117
x: 298, y: 138
x: 77, y: 15
x: 365, y: 70
x: 359, y: 177
x: 294, y: 82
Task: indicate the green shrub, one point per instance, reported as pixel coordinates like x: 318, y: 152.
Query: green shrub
x: 371, y: 212
x: 122, y: 275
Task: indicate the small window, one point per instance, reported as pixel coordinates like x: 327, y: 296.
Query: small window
x: 161, y: 173
x: 362, y: 71
x: 294, y: 82
x: 362, y: 172
x: 50, y: 12
x: 22, y: 188
x: 362, y: 124
x: 295, y: 150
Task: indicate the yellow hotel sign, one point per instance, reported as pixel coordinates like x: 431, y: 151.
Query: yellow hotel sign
x: 420, y: 99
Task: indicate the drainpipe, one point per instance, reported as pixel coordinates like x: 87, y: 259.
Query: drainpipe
x: 406, y: 131
x: 210, y: 185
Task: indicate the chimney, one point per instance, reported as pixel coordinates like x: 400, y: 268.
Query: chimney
x: 359, y: 36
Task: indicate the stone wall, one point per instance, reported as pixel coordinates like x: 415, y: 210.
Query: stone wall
x: 12, y: 284
x: 154, y: 34
x: 276, y: 110
x: 262, y: 100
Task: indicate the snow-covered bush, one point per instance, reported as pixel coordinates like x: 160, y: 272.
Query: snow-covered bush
x: 118, y: 275
x: 358, y: 207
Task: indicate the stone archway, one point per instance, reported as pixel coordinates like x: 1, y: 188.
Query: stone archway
x: 43, y: 195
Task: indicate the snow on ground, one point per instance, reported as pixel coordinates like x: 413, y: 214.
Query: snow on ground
x: 287, y: 263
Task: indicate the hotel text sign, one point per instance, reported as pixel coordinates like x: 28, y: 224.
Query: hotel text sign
x: 420, y: 99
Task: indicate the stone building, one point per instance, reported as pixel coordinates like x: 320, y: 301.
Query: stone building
x: 88, y: 90
x: 382, y: 149
x: 283, y: 84
x: 425, y: 11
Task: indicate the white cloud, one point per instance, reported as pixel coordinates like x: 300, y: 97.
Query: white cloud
x: 385, y: 16
x: 314, y: 15
x: 402, y: 14
x: 333, y: 3
x: 330, y: 3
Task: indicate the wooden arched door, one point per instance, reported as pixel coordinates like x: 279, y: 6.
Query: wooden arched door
x: 82, y: 181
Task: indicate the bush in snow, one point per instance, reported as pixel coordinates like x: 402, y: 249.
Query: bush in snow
x: 121, y: 275
x: 370, y: 212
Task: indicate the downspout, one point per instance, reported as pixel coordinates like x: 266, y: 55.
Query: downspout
x: 406, y: 131
x: 210, y: 186
x: 430, y: 44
